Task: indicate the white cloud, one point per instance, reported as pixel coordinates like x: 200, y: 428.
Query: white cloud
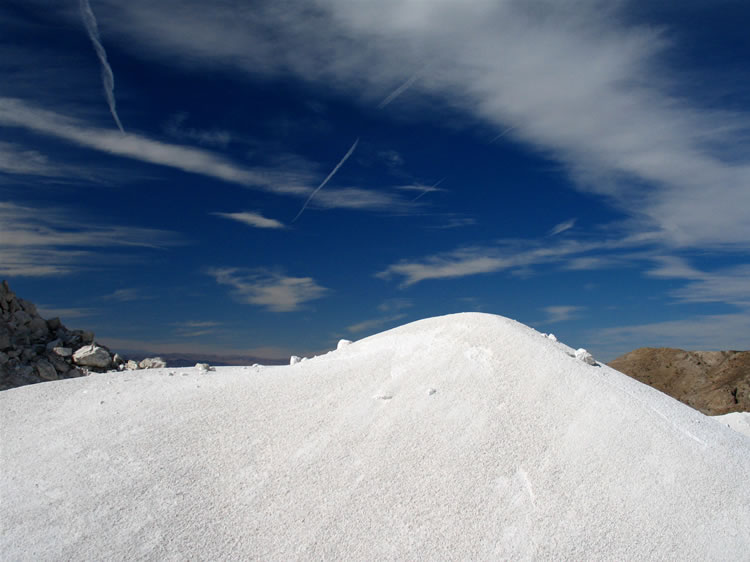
x: 39, y: 242
x: 252, y: 219
x: 562, y: 227
x: 357, y: 198
x: 271, y: 290
x: 709, y: 332
x: 375, y: 323
x: 17, y: 160
x: 728, y: 285
x: 476, y: 260
x: 578, y: 82
x: 124, y: 295
x: 194, y: 329
x: 16, y: 113
x: 561, y: 313
x: 670, y: 267
x: 392, y: 305
x: 175, y: 128
x: 422, y: 189
x: 591, y: 262
x: 454, y: 222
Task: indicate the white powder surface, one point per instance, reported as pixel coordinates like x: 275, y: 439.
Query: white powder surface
x: 468, y: 436
x: 739, y: 421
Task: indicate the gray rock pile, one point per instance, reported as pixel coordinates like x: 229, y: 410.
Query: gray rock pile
x: 34, y: 350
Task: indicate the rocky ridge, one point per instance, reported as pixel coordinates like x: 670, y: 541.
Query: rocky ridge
x: 34, y: 350
x: 713, y: 382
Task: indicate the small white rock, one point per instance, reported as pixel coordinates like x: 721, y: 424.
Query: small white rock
x: 152, y: 363
x: 204, y: 367
x: 293, y: 360
x: 343, y: 343
x: 585, y: 356
x: 552, y: 337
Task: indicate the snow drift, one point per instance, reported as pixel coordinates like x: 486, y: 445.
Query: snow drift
x: 467, y: 436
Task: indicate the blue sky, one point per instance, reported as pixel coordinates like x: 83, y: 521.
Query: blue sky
x: 267, y: 177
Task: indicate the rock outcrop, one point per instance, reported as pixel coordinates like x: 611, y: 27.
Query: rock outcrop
x: 34, y: 350
x: 714, y: 382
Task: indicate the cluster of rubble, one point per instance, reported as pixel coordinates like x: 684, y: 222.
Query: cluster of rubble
x: 34, y: 350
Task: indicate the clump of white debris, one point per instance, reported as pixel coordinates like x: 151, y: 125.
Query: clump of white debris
x: 462, y: 437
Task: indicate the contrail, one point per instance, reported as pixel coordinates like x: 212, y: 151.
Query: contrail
x: 328, y: 178
x: 398, y: 91
x: 428, y: 190
x: 108, y: 78
x: 502, y: 134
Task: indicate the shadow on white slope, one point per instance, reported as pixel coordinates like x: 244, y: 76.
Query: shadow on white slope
x: 467, y: 436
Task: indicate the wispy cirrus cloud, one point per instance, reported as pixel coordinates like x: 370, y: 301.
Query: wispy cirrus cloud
x: 729, y: 285
x: 268, y: 289
x: 562, y: 227
x: 629, y: 127
x: 278, y: 180
x: 697, y: 332
x: 561, y: 313
x: 17, y: 113
x: 394, y: 305
x: 39, y: 242
x: 452, y: 221
x: 129, y: 294
x: 194, y: 329
x: 422, y: 190
x: 175, y: 128
x: 374, y: 323
x: 21, y: 161
x: 253, y: 219
x: 477, y: 260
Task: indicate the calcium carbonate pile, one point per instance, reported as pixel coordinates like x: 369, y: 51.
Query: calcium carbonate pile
x: 462, y: 437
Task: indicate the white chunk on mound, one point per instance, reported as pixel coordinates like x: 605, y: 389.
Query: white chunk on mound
x: 343, y: 343
x: 294, y: 359
x: 523, y: 454
x: 585, y: 356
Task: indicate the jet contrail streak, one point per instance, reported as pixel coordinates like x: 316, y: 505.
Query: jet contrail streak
x: 502, y: 134
x: 328, y: 178
x: 428, y: 190
x: 398, y: 91
x: 108, y: 78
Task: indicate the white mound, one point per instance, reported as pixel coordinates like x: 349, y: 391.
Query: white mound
x: 462, y: 437
x: 739, y: 421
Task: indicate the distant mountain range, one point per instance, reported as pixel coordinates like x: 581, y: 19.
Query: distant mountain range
x: 190, y: 359
x: 713, y: 382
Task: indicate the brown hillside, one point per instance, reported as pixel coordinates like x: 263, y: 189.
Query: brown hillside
x: 714, y: 382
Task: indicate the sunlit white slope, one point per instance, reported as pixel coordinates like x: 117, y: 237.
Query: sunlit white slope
x: 467, y: 436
